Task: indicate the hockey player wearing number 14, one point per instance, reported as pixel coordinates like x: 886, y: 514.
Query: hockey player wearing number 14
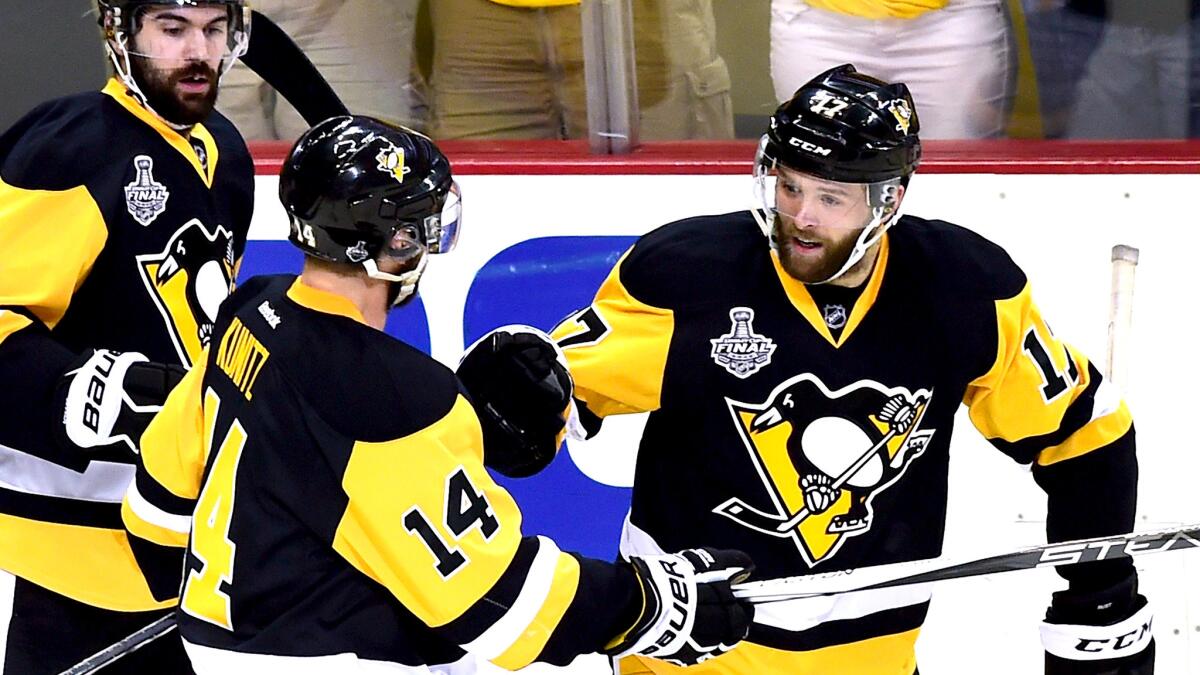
x: 331, y: 478
x: 802, y: 365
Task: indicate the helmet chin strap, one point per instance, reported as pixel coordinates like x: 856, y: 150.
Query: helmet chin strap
x: 408, y: 280
x: 125, y: 72
x: 121, y: 64
x: 881, y: 220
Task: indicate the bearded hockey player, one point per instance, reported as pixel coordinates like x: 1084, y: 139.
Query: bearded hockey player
x: 123, y: 215
x: 802, y: 365
x: 331, y: 477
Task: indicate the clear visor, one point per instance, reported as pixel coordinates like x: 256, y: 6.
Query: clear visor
x: 441, y: 231
x: 188, y: 36
x: 811, y: 201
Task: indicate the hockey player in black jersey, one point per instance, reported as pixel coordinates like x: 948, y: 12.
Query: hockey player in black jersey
x: 123, y: 216
x: 327, y: 479
x: 802, y: 364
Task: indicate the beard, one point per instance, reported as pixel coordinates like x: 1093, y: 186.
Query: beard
x: 811, y: 269
x: 160, y: 90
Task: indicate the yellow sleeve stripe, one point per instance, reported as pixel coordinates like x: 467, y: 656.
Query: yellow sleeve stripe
x: 50, y: 240
x: 549, y: 608
x: 173, y: 448
x: 148, y: 522
x: 11, y: 322
x: 1099, y: 432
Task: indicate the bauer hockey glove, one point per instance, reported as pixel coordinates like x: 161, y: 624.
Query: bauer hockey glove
x: 110, y: 397
x: 689, y: 613
x: 517, y: 380
x: 1102, y: 632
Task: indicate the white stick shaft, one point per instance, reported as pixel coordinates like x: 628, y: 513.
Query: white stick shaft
x: 1120, y: 318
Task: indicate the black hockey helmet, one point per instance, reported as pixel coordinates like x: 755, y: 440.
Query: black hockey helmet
x: 350, y: 183
x: 847, y: 127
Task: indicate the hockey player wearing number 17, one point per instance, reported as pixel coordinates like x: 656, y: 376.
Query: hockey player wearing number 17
x: 331, y: 477
x: 802, y: 365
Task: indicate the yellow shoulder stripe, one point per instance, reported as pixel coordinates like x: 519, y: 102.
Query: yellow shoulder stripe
x: 50, y: 241
x: 617, y: 328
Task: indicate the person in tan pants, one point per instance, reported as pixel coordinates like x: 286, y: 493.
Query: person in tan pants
x: 513, y: 69
x: 364, y: 48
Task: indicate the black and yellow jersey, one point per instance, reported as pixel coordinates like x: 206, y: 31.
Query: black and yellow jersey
x: 341, y: 506
x: 116, y: 232
x: 815, y: 436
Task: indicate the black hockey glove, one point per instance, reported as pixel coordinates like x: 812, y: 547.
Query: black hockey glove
x: 690, y: 614
x: 110, y: 397
x: 1103, y: 632
x: 521, y: 390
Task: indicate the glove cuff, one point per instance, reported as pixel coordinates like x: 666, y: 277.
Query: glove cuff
x: 1077, y: 642
x: 94, y: 397
x: 666, y: 622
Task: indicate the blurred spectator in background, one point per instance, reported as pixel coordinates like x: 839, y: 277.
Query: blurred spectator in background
x: 363, y: 47
x: 955, y: 55
x: 1136, y: 82
x: 1062, y: 36
x: 513, y: 69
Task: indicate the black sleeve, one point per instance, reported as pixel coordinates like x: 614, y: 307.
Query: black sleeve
x: 1093, y: 495
x: 31, y: 365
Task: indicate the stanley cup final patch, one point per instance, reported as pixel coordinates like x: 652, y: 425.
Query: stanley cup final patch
x: 741, y: 351
x: 145, y: 198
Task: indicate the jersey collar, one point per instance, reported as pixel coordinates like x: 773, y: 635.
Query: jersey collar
x: 802, y: 300
x: 116, y: 89
x: 323, y: 301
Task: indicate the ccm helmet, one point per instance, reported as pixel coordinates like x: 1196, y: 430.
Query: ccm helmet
x: 847, y: 127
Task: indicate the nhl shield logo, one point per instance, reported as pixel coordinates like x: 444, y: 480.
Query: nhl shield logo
x: 741, y: 351
x: 823, y: 456
x: 835, y: 316
x: 145, y: 198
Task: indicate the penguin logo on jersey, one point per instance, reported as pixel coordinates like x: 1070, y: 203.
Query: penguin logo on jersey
x: 145, y: 198
x: 824, y: 455
x: 188, y: 280
x: 741, y: 351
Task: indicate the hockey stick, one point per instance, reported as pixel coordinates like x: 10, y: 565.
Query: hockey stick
x: 937, y: 569
x: 282, y: 64
x: 1120, y: 317
x: 117, y: 650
